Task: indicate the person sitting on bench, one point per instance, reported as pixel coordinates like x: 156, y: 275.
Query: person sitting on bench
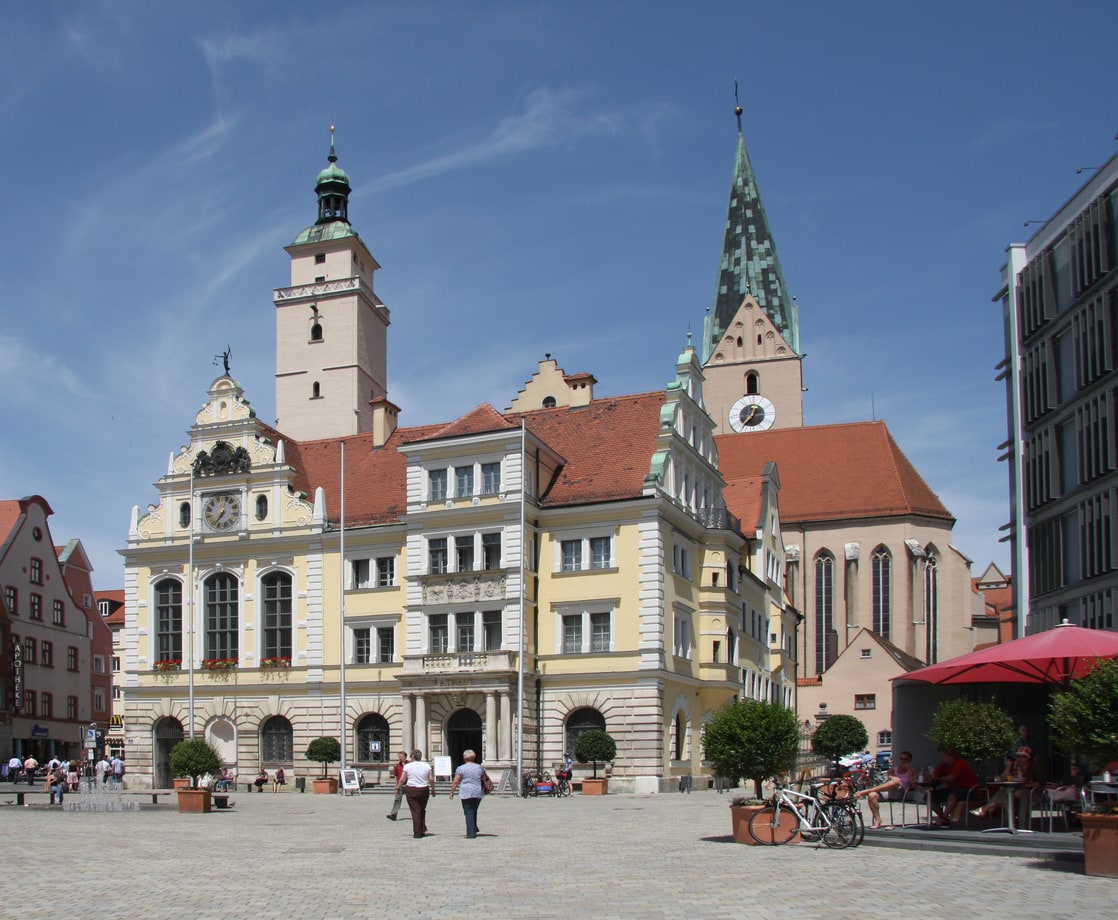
x: 261, y: 780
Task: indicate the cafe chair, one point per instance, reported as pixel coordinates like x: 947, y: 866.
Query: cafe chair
x: 976, y: 797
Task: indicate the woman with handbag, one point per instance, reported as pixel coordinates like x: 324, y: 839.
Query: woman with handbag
x: 472, y: 779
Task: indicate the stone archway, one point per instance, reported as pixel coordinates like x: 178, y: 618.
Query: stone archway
x: 168, y: 732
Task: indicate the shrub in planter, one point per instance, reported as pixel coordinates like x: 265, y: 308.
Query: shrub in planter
x: 1084, y: 719
x: 325, y: 751
x: 839, y: 735
x: 595, y: 746
x: 977, y: 730
x: 194, y: 758
x: 752, y: 739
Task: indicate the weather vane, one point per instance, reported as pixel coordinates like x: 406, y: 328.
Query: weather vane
x: 224, y: 356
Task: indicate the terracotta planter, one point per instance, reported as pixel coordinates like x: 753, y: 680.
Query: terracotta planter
x: 599, y: 786
x: 195, y: 801
x: 740, y: 816
x: 327, y: 786
x: 180, y: 782
x: 1100, y: 844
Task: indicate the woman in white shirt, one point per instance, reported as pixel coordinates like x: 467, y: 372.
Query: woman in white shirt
x: 418, y: 782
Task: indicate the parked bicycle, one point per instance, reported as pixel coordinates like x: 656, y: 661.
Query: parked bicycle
x: 837, y: 822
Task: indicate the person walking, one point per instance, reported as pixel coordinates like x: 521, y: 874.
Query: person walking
x: 418, y: 782
x: 15, y: 767
x: 29, y: 767
x: 468, y: 777
x: 397, y: 772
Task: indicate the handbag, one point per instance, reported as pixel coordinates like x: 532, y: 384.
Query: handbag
x: 486, y: 783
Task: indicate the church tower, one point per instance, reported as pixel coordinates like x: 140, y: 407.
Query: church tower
x: 331, y: 328
x: 751, y: 343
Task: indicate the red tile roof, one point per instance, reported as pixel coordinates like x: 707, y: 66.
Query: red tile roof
x: 481, y: 420
x: 830, y: 472
x: 743, y: 499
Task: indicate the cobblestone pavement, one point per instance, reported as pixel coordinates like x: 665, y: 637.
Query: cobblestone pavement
x: 311, y: 857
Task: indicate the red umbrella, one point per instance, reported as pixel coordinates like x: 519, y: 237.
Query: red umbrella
x: 1054, y: 656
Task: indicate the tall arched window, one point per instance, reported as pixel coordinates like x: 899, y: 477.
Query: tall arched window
x: 222, y: 616
x: 277, y: 615
x: 580, y: 722
x: 752, y: 383
x: 168, y: 620
x: 826, y: 642
x: 882, y: 603
x: 679, y: 748
x: 372, y: 739
x: 276, y: 741
x: 316, y: 390
x: 931, y: 606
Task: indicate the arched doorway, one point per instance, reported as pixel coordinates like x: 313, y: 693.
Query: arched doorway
x: 168, y: 733
x: 463, y: 733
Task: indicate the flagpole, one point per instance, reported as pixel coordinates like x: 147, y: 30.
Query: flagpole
x: 190, y: 607
x: 520, y: 649
x: 341, y: 591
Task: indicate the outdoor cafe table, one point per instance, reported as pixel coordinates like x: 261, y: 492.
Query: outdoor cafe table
x: 1010, y: 809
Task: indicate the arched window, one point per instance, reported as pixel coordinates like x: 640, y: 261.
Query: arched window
x: 580, y: 722
x: 752, y: 383
x: 222, y: 616
x: 184, y: 514
x: 261, y: 507
x: 931, y: 606
x: 316, y: 391
x: 168, y: 620
x: 372, y: 739
x: 316, y: 332
x: 277, y: 615
x: 882, y: 602
x: 826, y: 642
x: 276, y: 741
x: 679, y: 749
x: 549, y: 402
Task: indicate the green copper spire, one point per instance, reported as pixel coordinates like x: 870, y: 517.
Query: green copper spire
x: 749, y: 261
x: 332, y: 186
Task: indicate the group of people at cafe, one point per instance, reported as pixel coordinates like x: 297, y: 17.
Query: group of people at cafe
x: 952, y: 783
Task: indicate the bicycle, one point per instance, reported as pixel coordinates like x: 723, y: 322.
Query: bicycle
x: 838, y: 823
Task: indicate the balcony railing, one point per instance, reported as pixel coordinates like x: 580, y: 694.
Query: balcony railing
x: 460, y: 662
x: 718, y: 519
x: 302, y: 291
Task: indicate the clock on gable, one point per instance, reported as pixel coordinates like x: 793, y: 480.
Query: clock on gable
x: 752, y: 413
x: 222, y: 511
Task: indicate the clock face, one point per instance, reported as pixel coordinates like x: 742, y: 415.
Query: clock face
x: 222, y: 511
x: 752, y: 413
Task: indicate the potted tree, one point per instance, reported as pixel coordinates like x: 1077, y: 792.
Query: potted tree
x: 750, y: 740
x: 325, y: 751
x: 1084, y: 720
x: 839, y: 735
x: 194, y: 758
x: 594, y: 746
x: 978, y: 730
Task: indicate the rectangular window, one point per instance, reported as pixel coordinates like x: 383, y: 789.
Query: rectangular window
x: 36, y: 606
x: 572, y: 634
x: 46, y: 705
x: 11, y: 597
x: 362, y: 646
x: 436, y: 490
x: 278, y: 615
x: 464, y: 554
x: 71, y: 658
x: 491, y: 629
x: 29, y: 656
x: 866, y: 653
x: 386, y: 644
x: 386, y: 571
x: 72, y: 708
x: 884, y: 738
x: 490, y: 478
x: 682, y: 636
x: 437, y: 640
x: 116, y: 664
x: 681, y: 561
x: 464, y: 632
x: 361, y: 569
x: 29, y: 702
x: 46, y: 654
x: 98, y: 664
x: 463, y: 481
x: 59, y: 613
x: 36, y: 571
x: 437, y: 550
x: 600, y: 552
x: 491, y: 551
x: 98, y: 699
x: 599, y: 632
x: 572, y: 555
x: 865, y: 701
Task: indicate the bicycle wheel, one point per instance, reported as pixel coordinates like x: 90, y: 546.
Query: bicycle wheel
x: 774, y: 825
x: 842, y: 826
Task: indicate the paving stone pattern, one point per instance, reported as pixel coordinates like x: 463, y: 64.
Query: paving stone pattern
x: 312, y: 857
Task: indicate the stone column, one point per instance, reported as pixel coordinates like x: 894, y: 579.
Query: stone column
x: 491, y: 745
x: 407, y: 719
x: 421, y: 724
x: 505, y: 728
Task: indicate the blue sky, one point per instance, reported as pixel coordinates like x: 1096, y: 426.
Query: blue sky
x: 534, y: 178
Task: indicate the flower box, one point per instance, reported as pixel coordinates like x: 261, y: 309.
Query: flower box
x: 168, y: 664
x: 275, y: 663
x: 219, y: 664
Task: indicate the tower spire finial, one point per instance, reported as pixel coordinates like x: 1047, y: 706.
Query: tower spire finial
x: 333, y: 158
x: 737, y: 105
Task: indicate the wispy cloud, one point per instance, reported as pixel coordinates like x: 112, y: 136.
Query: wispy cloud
x: 549, y: 118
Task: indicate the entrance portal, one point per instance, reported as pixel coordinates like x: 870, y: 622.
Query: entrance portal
x: 168, y: 733
x: 463, y: 733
